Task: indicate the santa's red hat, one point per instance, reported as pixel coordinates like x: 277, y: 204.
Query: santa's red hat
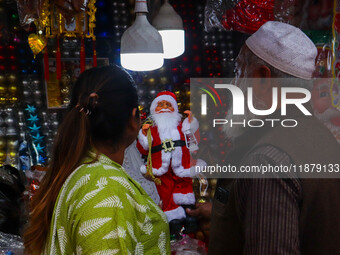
x: 167, y: 96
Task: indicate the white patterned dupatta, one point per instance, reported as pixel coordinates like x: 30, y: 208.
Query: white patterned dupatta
x: 132, y: 163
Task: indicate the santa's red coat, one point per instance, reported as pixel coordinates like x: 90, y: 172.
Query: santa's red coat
x: 173, y: 168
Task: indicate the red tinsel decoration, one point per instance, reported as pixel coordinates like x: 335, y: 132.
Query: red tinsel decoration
x: 46, y: 65
x: 82, y: 55
x: 58, y: 56
x: 248, y: 15
x: 94, y: 54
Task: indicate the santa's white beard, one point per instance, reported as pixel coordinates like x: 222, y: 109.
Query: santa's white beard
x: 237, y: 130
x: 326, y: 117
x: 166, y: 121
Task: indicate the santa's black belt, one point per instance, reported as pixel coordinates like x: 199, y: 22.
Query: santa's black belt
x: 168, y: 145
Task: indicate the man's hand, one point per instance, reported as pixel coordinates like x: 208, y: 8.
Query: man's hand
x: 189, y: 115
x: 145, y: 128
x: 203, y: 213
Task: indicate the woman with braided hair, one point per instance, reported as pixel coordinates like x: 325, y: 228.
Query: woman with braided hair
x: 87, y: 203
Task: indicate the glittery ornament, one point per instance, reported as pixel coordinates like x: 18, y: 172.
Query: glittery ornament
x: 31, y: 108
x: 11, y: 131
x: 2, y: 78
x: 12, y: 89
x: 37, y: 43
x: 2, y: 90
x: 3, y: 156
x: 37, y: 138
x: 9, y: 120
x: 12, y: 78
x: 34, y: 128
x: 12, y: 154
x: 2, y: 100
x: 2, y: 142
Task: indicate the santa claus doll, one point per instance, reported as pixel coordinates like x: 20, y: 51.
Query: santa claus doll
x: 166, y: 140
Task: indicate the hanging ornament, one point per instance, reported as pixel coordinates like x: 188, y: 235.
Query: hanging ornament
x: 37, y: 43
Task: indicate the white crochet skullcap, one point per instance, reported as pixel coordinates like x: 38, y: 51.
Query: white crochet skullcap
x: 284, y: 47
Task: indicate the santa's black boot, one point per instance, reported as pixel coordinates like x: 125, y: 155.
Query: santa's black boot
x: 176, y: 227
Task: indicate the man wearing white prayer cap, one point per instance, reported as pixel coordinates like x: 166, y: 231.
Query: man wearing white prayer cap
x: 285, y: 213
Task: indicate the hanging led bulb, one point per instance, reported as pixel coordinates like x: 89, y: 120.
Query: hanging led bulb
x: 170, y: 26
x: 141, y: 44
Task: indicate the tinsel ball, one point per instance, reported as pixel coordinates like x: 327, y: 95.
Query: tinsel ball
x: 2, y: 142
x: 12, y: 89
x: 2, y: 89
x: 11, y: 131
x: 151, y: 81
x: 13, y: 144
x: 65, y: 53
x: 164, y: 80
x: 13, y: 100
x: 20, y: 114
x: 2, y: 78
x: 25, y: 83
x: 26, y: 93
x: 12, y: 154
x: 37, y: 93
x: 2, y: 155
x: 12, y: 78
x: 36, y: 83
x: 45, y: 127
x: 9, y: 120
x: 153, y: 92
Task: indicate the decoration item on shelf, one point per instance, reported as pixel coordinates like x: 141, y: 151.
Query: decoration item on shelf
x: 141, y: 44
x: 35, y: 140
x: 31, y: 90
x: 57, y: 19
x: 120, y: 22
x: 58, y: 91
x: 240, y: 15
x: 37, y: 43
x: 169, y: 161
x: 335, y: 90
x: 170, y: 25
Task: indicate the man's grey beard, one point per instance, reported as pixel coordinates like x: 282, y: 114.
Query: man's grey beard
x: 238, y: 130
x: 166, y: 121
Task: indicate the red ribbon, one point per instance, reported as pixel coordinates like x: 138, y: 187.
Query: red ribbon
x: 94, y: 54
x: 46, y: 65
x: 58, y: 56
x: 82, y: 56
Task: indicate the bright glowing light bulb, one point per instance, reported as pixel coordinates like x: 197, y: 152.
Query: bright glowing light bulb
x: 170, y: 26
x: 141, y: 44
x: 173, y: 42
x: 142, y: 61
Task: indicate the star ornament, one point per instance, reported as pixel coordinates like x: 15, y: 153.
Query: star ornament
x: 34, y: 128
x: 39, y: 148
x: 31, y: 108
x: 42, y: 160
x: 38, y: 138
x: 33, y: 118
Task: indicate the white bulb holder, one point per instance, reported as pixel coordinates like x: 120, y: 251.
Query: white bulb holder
x: 141, y: 44
x: 170, y: 26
